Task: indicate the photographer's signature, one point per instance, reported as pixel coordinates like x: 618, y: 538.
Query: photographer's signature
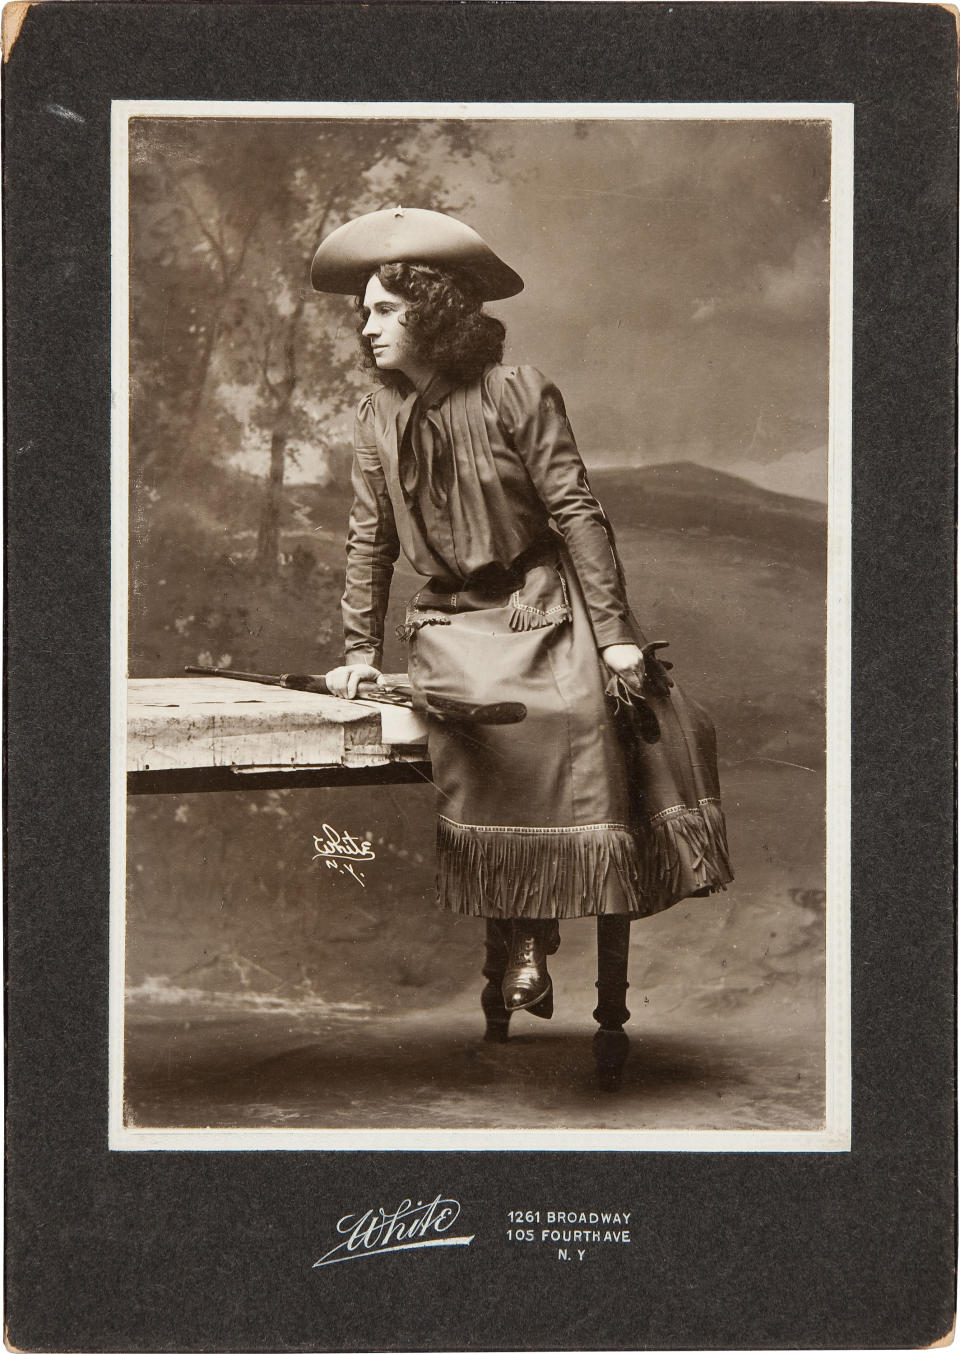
x: 410, y: 1227
x: 340, y: 850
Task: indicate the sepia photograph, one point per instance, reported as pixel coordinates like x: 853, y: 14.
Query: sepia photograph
x: 471, y: 626
x: 480, y: 675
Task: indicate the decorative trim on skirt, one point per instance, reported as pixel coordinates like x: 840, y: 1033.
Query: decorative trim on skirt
x: 505, y: 871
x: 684, y: 854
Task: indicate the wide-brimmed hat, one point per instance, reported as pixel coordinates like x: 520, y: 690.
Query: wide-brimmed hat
x: 353, y: 251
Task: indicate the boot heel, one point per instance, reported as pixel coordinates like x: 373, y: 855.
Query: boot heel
x: 544, y: 1007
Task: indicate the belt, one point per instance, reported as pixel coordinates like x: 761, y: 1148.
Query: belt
x: 495, y: 579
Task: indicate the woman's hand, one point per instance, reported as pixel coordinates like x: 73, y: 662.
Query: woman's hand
x: 626, y: 661
x: 343, y: 682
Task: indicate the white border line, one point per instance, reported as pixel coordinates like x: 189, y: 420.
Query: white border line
x: 479, y: 1139
x: 839, y: 615
x: 498, y: 112
x: 835, y: 1136
x: 119, y: 601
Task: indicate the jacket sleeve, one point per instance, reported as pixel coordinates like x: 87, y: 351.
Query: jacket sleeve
x: 372, y: 549
x: 533, y: 415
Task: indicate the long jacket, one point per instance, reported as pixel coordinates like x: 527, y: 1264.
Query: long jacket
x: 465, y: 479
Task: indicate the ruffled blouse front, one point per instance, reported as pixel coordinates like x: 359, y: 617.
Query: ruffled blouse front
x: 464, y: 477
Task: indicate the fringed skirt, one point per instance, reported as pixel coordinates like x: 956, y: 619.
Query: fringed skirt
x: 544, y: 818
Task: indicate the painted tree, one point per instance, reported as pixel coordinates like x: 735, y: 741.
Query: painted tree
x: 229, y: 345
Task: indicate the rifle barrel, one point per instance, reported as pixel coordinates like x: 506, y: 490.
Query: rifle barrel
x: 444, y: 708
x: 265, y: 679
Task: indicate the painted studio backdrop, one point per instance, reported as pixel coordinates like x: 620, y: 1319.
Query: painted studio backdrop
x: 677, y: 291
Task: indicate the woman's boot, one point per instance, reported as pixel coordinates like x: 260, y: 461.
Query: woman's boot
x: 526, y: 982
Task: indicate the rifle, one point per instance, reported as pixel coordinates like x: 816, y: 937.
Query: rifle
x: 447, y: 709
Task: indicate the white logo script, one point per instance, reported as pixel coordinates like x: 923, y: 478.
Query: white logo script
x: 338, y: 851
x: 410, y: 1227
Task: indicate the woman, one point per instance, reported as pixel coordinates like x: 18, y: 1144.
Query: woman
x: 470, y: 467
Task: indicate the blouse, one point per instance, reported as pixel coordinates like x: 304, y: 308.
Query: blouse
x: 462, y: 477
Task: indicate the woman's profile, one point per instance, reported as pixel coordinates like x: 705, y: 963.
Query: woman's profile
x: 604, y: 801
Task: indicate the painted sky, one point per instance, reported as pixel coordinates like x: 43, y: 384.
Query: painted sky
x: 677, y: 286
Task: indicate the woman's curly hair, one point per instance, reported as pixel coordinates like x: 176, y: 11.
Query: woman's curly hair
x: 446, y: 321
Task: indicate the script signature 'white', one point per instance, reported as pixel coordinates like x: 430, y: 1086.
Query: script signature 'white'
x: 338, y: 851
x: 411, y: 1226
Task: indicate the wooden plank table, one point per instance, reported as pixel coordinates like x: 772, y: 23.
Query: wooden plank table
x: 189, y: 734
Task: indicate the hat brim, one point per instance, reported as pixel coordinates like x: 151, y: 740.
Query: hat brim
x: 348, y: 256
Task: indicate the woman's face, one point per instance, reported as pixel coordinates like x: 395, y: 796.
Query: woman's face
x: 393, y: 347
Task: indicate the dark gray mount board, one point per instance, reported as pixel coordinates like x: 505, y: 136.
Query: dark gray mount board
x: 203, y: 1251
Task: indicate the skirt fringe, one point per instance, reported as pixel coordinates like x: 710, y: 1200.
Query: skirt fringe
x: 557, y: 872
x: 683, y: 852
